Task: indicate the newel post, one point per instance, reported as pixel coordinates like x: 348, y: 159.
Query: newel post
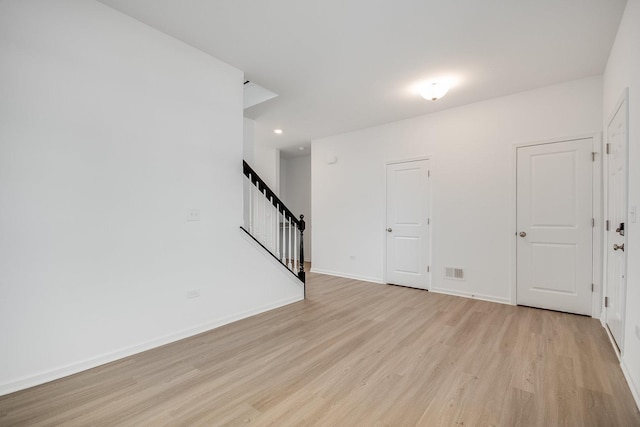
x: 301, y: 226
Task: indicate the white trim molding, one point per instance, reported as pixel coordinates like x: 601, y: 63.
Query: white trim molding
x: 471, y: 295
x: 347, y: 276
x: 635, y: 391
x: 596, y: 195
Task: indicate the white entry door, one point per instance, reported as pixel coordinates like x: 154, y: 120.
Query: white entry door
x: 616, y: 215
x: 554, y: 226
x: 408, y: 224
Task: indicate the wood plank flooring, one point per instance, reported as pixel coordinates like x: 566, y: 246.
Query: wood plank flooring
x: 356, y: 354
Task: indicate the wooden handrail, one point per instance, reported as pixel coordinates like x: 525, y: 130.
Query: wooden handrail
x: 270, y: 195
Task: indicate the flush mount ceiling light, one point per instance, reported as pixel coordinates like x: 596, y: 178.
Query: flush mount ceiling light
x: 434, y: 91
x: 278, y: 131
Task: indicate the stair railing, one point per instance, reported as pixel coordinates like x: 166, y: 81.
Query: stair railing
x: 270, y: 223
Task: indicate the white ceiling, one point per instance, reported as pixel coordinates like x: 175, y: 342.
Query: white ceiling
x: 342, y: 65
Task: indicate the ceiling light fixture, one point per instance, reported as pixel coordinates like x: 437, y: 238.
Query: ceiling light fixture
x: 301, y: 148
x: 278, y: 131
x: 434, y: 91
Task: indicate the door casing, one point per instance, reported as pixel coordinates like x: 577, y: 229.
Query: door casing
x: 623, y: 102
x: 596, y: 209
x: 430, y: 214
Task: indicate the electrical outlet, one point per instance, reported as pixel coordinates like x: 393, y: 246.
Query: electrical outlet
x: 195, y: 293
x: 193, y: 215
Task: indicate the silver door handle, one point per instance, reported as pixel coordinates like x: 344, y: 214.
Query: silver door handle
x: 389, y: 230
x: 616, y: 247
x: 523, y: 234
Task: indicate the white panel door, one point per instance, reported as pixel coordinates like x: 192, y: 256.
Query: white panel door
x: 554, y: 228
x: 616, y: 215
x: 407, y: 224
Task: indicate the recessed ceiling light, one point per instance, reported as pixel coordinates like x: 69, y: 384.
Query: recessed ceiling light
x: 278, y: 131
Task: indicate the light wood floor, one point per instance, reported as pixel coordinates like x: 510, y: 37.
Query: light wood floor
x: 356, y: 354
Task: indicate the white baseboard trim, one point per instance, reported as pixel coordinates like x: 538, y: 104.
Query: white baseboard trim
x: 432, y: 289
x: 612, y: 340
x: 347, y: 276
x: 488, y: 298
x: 635, y: 391
x: 74, y: 368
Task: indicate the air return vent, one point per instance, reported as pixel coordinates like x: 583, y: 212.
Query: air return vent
x: 456, y: 273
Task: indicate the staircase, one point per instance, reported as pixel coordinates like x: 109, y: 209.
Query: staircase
x: 272, y: 225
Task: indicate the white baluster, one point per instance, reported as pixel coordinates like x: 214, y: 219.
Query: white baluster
x: 289, y: 259
x: 284, y: 244
x: 277, y: 220
x: 256, y: 212
x: 250, y: 206
x: 274, y: 216
x: 264, y: 215
x: 270, y: 239
x: 256, y: 219
x: 295, y: 248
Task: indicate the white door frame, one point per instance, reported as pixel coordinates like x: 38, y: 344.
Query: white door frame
x: 383, y: 225
x: 624, y: 98
x: 596, y: 208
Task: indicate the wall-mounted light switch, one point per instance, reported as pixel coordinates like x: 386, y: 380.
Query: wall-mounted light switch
x: 193, y: 215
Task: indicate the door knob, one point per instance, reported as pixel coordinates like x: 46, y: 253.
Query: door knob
x: 616, y: 247
x: 389, y: 230
x: 523, y: 234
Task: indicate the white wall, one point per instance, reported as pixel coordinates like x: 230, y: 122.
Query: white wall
x: 109, y: 132
x: 265, y: 160
x: 623, y: 70
x: 295, y: 190
x: 248, y: 139
x: 471, y: 161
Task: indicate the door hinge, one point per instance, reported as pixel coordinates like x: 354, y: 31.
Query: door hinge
x: 607, y: 225
x: 592, y: 287
x: 593, y: 222
x: 428, y: 221
x: 606, y: 302
x: 428, y: 269
x: 608, y: 148
x: 428, y: 174
x: 593, y: 156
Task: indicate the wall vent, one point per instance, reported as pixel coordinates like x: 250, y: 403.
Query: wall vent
x: 456, y: 273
